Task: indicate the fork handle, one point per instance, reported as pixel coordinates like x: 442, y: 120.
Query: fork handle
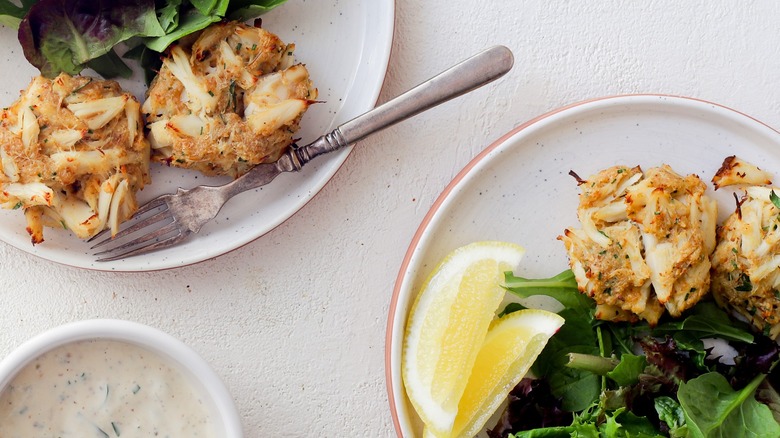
x: 466, y: 76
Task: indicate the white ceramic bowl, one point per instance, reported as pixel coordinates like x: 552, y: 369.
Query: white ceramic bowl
x: 183, y: 358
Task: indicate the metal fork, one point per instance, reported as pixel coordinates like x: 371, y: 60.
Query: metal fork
x: 173, y: 217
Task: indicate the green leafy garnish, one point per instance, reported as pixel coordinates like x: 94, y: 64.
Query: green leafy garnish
x: 671, y: 413
x: 594, y: 423
x: 190, y: 20
x: 602, y: 371
x: 110, y: 65
x: 774, y: 198
x: 707, y: 321
x: 511, y: 307
x: 576, y: 388
x: 628, y: 370
x: 68, y: 36
x: 243, y: 10
x: 713, y: 408
x: 562, y: 287
x: 11, y: 14
x: 59, y: 36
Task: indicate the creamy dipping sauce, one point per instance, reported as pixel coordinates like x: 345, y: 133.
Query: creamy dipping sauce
x: 102, y: 388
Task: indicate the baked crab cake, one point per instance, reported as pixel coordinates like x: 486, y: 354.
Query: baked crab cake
x: 605, y: 255
x: 645, y: 242
x: 73, y: 155
x: 746, y: 262
x: 227, y: 101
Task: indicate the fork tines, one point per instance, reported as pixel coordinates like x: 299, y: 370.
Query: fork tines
x: 162, y: 231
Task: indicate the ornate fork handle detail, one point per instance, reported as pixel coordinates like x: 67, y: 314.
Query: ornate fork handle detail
x: 329, y: 142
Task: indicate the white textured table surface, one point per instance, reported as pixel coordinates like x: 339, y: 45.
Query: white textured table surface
x: 294, y: 322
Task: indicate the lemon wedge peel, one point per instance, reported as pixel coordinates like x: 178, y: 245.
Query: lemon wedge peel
x: 446, y: 327
x: 510, y: 348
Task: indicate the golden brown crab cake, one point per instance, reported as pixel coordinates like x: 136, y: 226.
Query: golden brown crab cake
x: 746, y: 261
x: 228, y: 101
x: 73, y: 155
x: 606, y: 253
x: 642, y: 233
x: 677, y: 221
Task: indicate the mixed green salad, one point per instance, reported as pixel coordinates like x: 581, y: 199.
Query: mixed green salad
x: 70, y: 35
x: 702, y: 375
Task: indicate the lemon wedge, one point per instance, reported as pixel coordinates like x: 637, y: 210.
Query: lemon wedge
x: 446, y: 327
x: 510, y: 348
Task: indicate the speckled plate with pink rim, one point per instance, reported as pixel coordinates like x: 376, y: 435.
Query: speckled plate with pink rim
x: 519, y: 189
x: 345, y: 44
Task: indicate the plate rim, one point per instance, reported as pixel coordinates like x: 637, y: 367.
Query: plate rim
x: 465, y: 172
x: 382, y: 52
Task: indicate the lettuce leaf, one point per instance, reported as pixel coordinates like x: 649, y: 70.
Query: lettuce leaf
x: 189, y: 20
x: 577, y: 389
x: 206, y: 7
x: 562, y: 287
x: 110, y: 65
x: 11, y: 14
x: 168, y: 15
x: 671, y: 413
x: 592, y: 368
x: 617, y: 424
x: 707, y: 320
x: 243, y: 10
x: 713, y: 409
x: 63, y: 36
x: 68, y: 36
x: 627, y: 371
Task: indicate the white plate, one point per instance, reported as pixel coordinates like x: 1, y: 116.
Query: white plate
x: 345, y: 44
x: 518, y: 189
